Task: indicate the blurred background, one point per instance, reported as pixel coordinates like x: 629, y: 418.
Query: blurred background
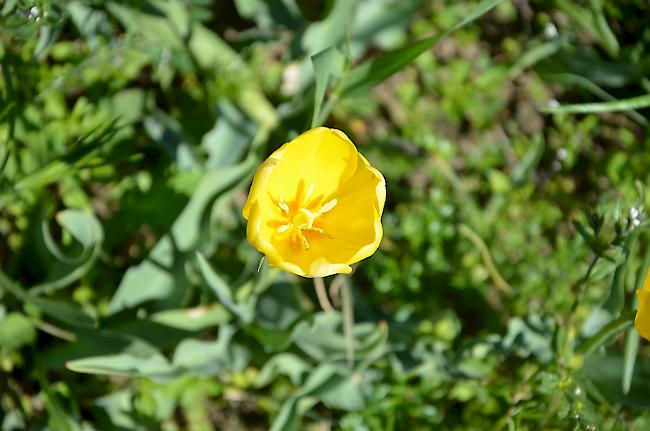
x: 515, y: 152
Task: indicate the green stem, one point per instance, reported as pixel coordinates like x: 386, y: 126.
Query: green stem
x: 606, y: 332
x: 499, y: 281
x: 582, y: 287
x: 321, y: 293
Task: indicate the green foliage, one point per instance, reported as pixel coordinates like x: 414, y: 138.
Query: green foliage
x: 513, y: 139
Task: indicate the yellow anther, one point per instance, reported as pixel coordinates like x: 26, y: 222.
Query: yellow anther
x: 283, y: 206
x: 327, y: 206
x: 303, y: 220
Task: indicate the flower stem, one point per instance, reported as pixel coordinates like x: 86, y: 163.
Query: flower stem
x: 563, y: 357
x: 321, y: 293
x: 498, y: 280
x: 335, y: 289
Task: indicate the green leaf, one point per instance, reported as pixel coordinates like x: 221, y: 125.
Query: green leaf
x: 381, y: 23
x: 532, y: 56
x: 89, y: 342
x: 118, y: 407
x: 48, y: 35
x: 140, y: 359
x: 222, y: 290
x: 123, y: 364
x: 529, y: 161
x: 289, y: 417
x: 168, y: 133
x: 292, y: 410
x: 607, y: 38
x: 211, y: 52
x: 331, y: 30
x: 210, y: 358
x: 153, y: 26
x: 279, y: 307
x: 90, y: 22
x: 193, y: 319
x: 83, y: 226
x: 60, y: 166
x: 159, y: 23
x: 16, y: 331
x: 61, y: 311
x: 592, y: 21
x: 613, y: 305
x: 606, y: 373
x: 287, y: 364
x: 162, y: 275
x: 531, y: 336
x: 328, y: 64
x: 58, y: 418
x: 269, y: 13
x: 137, y: 358
x: 613, y: 106
x: 632, y: 341
x: 606, y: 332
x: 372, y: 72
x: 87, y: 230
x: 231, y: 136
x: 128, y: 105
x: 323, y: 340
x: 352, y: 392
x: 588, y: 63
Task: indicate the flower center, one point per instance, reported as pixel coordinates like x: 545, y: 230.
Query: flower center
x: 297, y: 223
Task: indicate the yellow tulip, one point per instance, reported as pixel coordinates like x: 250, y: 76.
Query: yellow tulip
x: 315, y: 205
x: 642, y: 319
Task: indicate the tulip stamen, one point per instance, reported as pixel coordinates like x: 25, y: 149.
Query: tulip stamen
x: 303, y: 240
x: 327, y: 206
x: 303, y: 220
x: 283, y: 206
x: 308, y: 194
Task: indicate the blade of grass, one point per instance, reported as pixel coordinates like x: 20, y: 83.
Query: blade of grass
x: 536, y: 54
x: 579, y: 81
x: 477, y: 241
x: 590, y: 108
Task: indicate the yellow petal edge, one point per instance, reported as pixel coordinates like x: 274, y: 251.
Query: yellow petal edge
x: 642, y: 319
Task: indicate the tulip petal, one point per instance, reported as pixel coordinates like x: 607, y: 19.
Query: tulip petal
x: 318, y: 162
x: 313, y: 262
x: 355, y: 223
x: 642, y: 319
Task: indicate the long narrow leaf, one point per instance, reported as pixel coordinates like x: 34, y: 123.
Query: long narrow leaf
x: 221, y: 289
x: 61, y: 311
x: 327, y: 63
x: 374, y: 71
x: 629, y: 358
x: 609, y: 330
